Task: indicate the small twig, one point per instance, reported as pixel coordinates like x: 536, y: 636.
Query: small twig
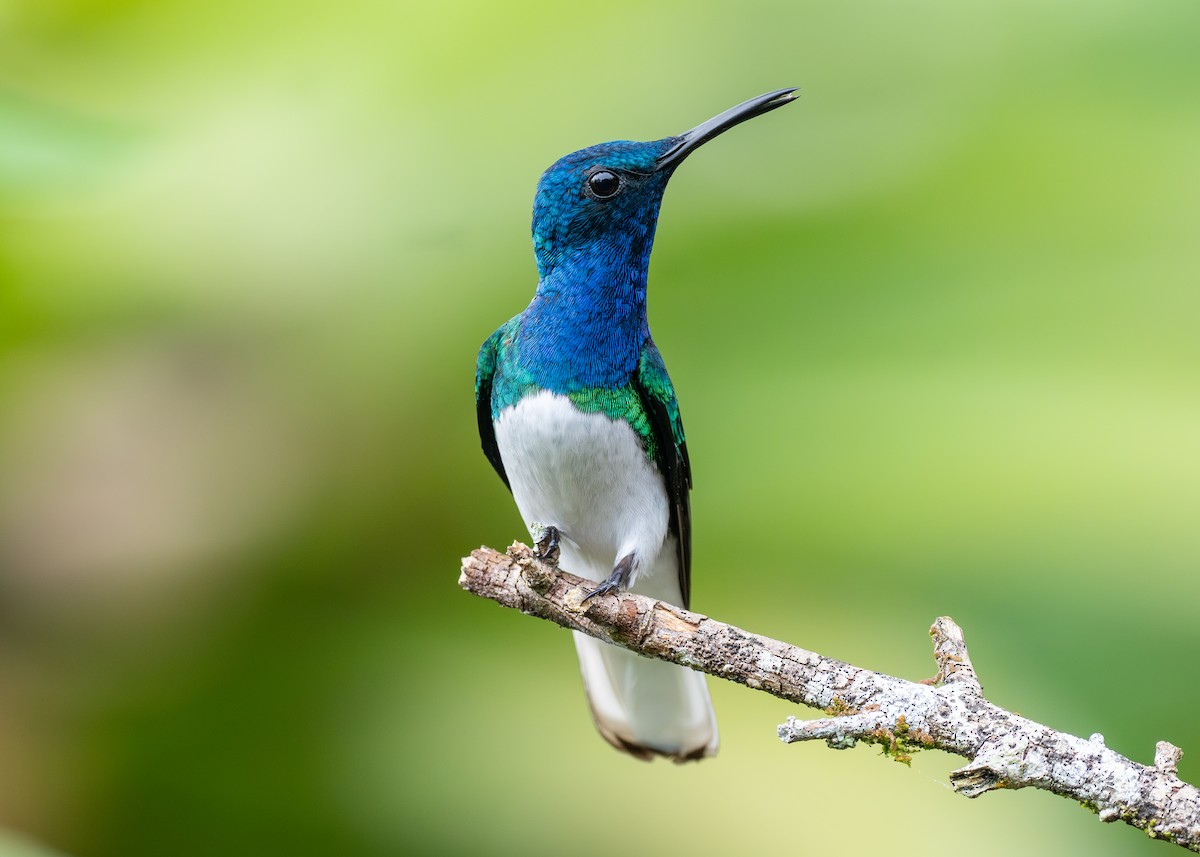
x: 948, y: 712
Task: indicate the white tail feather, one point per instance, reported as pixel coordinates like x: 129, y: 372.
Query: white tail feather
x: 645, y: 706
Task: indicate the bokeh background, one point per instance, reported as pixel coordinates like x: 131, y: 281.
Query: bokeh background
x: 933, y: 328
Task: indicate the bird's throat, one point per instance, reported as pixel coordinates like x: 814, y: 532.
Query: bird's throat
x: 586, y: 324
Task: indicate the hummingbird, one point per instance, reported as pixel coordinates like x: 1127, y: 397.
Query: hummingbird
x: 579, y: 418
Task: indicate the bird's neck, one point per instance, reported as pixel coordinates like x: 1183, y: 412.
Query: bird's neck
x: 587, y: 323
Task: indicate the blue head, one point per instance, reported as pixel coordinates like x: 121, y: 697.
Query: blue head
x: 593, y: 226
x: 597, y: 208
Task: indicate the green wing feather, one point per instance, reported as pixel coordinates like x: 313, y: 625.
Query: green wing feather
x: 669, y: 452
x: 485, y: 371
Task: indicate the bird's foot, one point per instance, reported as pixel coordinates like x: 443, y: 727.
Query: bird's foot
x: 617, y: 581
x: 612, y: 586
x: 546, y: 547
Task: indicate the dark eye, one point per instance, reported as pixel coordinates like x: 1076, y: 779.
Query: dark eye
x: 604, y: 184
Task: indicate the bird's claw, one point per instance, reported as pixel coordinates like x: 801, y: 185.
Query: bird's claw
x: 618, y: 579
x: 608, y: 587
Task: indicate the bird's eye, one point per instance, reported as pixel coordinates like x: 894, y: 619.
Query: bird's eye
x: 604, y: 184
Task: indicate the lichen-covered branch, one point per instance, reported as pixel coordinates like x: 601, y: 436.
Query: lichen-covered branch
x: 947, y: 712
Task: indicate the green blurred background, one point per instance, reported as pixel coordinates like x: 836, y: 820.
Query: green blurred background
x: 933, y: 328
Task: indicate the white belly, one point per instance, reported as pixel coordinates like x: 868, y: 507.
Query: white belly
x: 589, y: 476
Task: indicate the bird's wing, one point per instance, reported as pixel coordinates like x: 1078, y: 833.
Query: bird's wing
x: 485, y: 370
x: 669, y: 452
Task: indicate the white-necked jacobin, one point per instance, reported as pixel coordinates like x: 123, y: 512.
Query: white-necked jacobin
x: 579, y: 418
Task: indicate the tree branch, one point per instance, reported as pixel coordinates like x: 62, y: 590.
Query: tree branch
x: 947, y: 712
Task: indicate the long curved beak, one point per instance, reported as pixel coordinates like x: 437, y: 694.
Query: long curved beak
x: 689, y: 141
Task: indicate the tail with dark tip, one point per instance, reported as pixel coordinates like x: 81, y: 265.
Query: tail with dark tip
x: 647, y: 707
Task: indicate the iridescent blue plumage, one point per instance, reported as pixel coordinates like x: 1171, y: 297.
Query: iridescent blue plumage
x: 593, y: 256
x: 578, y: 416
x: 585, y: 333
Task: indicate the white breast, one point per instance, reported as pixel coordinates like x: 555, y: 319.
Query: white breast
x: 589, y: 476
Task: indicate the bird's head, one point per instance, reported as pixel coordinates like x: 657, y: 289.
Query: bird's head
x: 600, y: 205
